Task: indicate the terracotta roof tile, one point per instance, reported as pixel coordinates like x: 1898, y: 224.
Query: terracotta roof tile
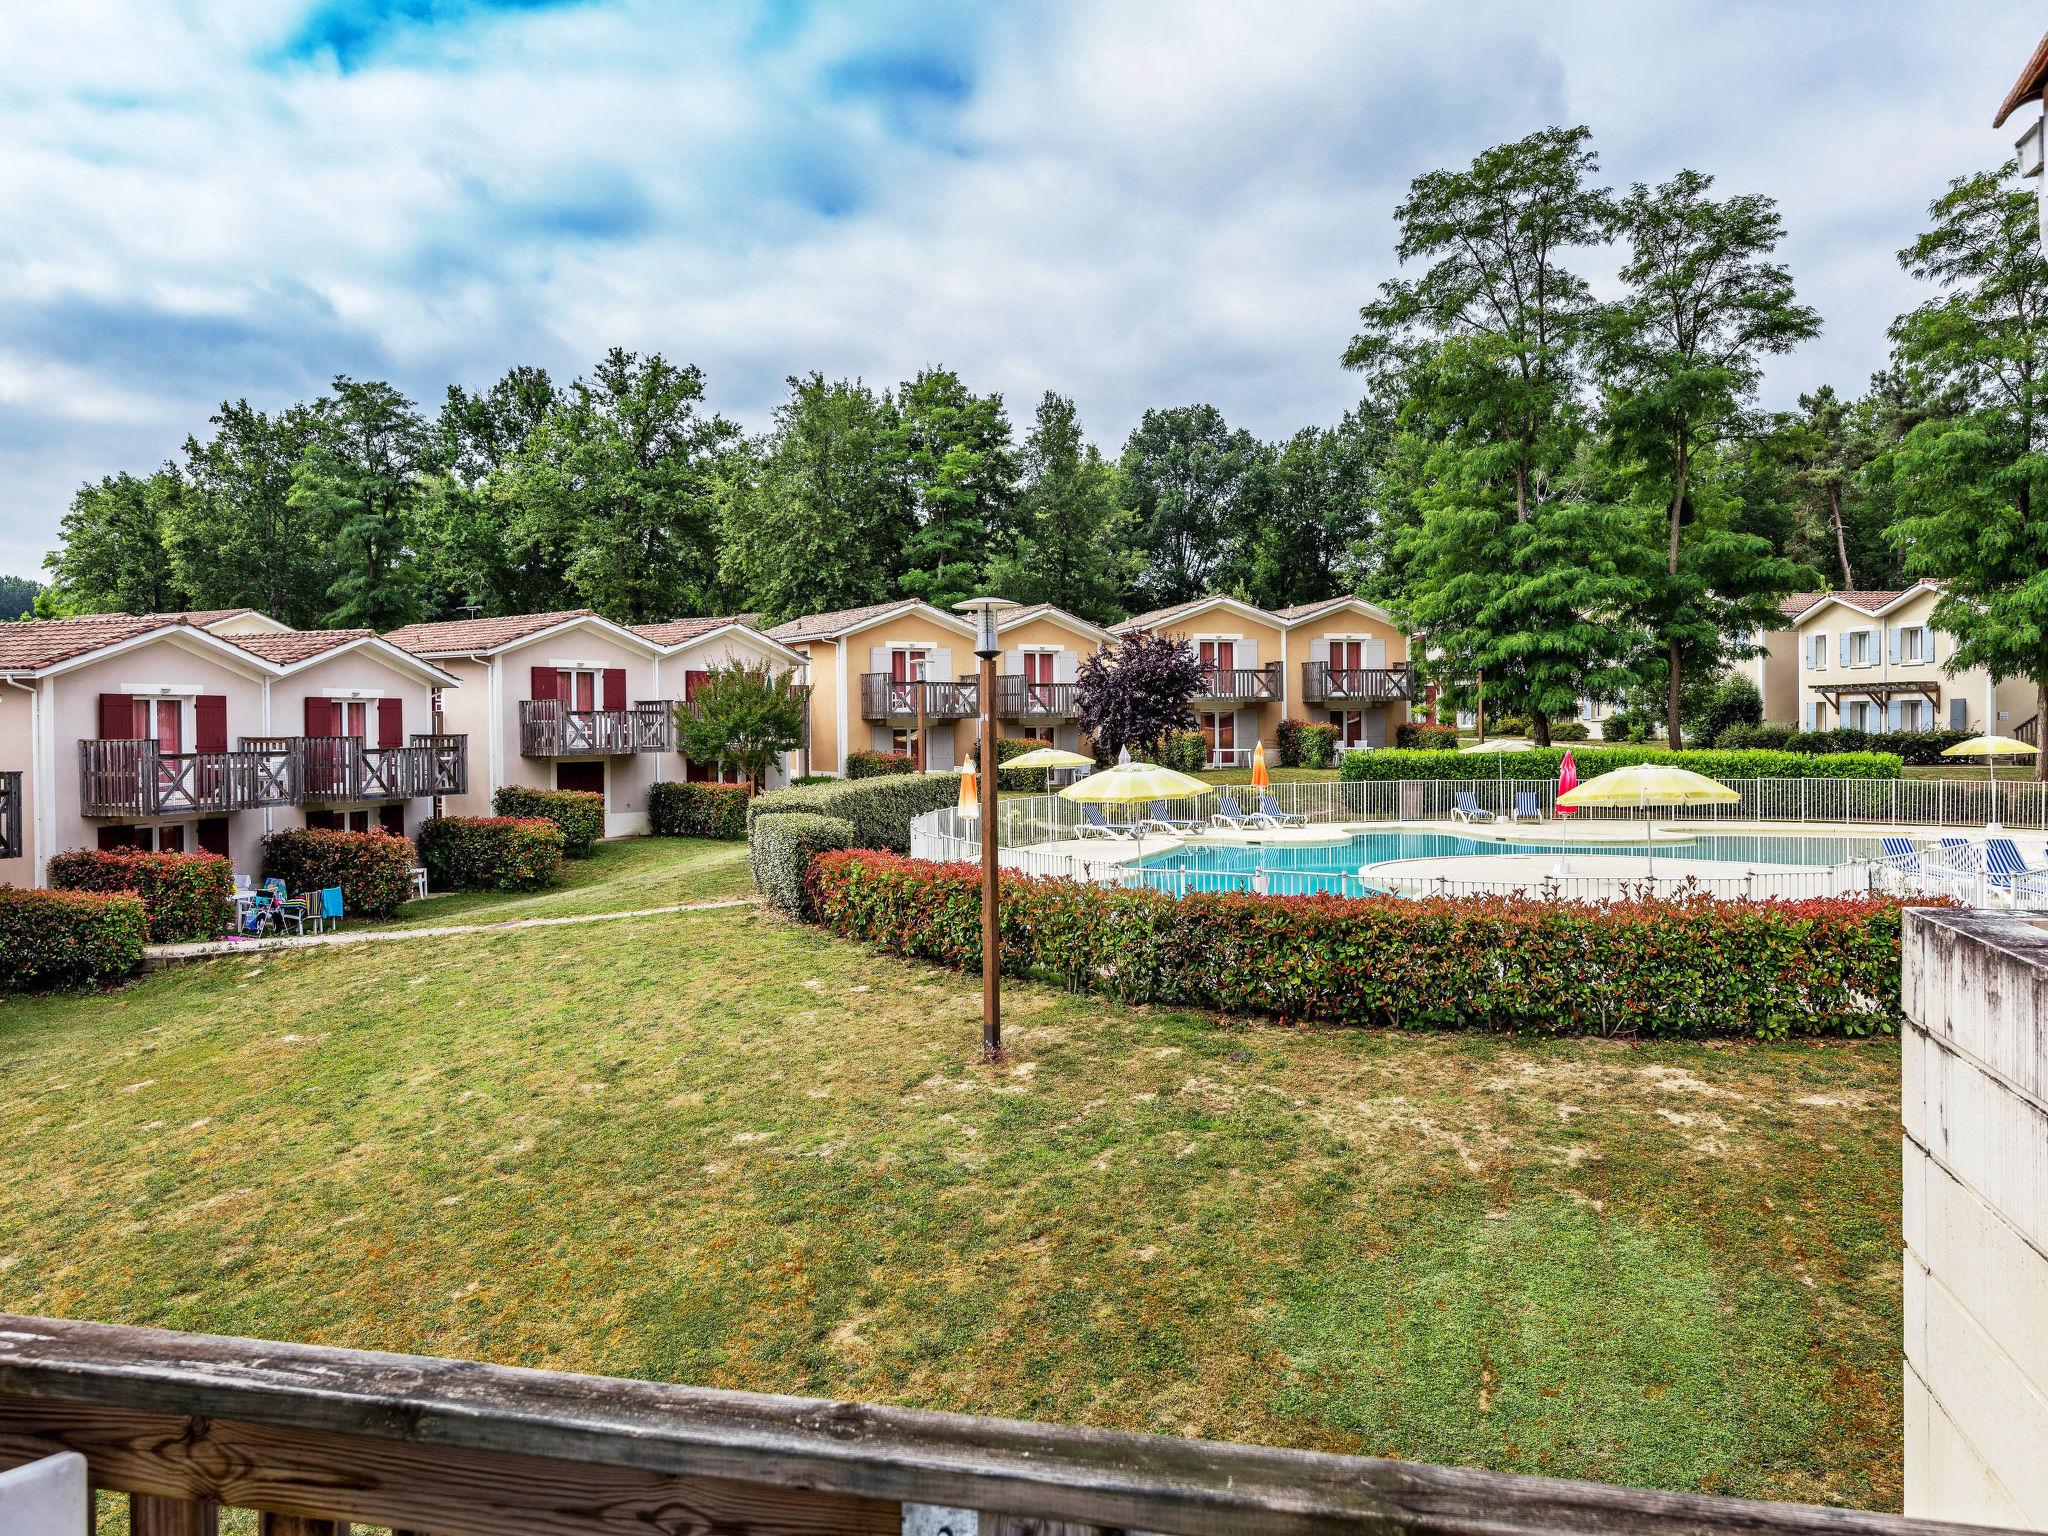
x: 35, y: 644
x: 812, y: 625
x: 1156, y: 616
x: 479, y: 634
x: 1798, y: 603
x: 298, y: 645
x: 1868, y: 601
x: 676, y: 631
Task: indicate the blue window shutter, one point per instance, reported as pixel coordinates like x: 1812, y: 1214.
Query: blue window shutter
x: 1895, y: 645
x: 1958, y: 714
x: 1894, y: 714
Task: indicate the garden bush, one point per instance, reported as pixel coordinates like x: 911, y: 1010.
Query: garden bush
x: 1318, y: 746
x: 1569, y: 730
x: 68, y: 938
x: 1508, y: 725
x: 880, y: 809
x: 1768, y: 736
x: 1690, y: 967
x: 373, y: 869
x: 1185, y: 752
x: 491, y: 853
x: 578, y: 812
x: 682, y: 809
x: 1920, y: 748
x: 1287, y: 743
x: 780, y: 854
x: 1421, y: 736
x: 874, y: 765
x: 185, y: 896
x: 1542, y: 763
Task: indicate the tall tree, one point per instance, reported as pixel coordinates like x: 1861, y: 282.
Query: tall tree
x: 361, y: 480
x: 1191, y: 481
x: 239, y: 543
x: 1317, y: 523
x: 17, y: 596
x: 470, y: 557
x: 960, y: 475
x: 1972, y: 481
x: 813, y: 518
x: 617, y: 485
x: 742, y: 716
x: 1681, y: 354
x: 1073, y: 546
x: 115, y: 555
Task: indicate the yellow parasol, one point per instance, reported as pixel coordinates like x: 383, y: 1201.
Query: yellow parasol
x: 1646, y: 785
x: 1128, y: 783
x: 1050, y: 757
x: 970, y: 794
x: 1260, y: 778
x: 1990, y: 748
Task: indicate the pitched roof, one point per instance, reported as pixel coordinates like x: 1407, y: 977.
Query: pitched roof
x: 479, y: 634
x: 676, y: 631
x: 2028, y: 87
x: 37, y: 643
x: 1798, y: 603
x: 1058, y: 615
x: 1868, y: 601
x: 817, y: 626
x: 1157, y: 615
x: 297, y: 645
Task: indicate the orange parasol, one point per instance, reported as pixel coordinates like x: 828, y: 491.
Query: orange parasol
x: 1260, y: 778
x: 970, y: 794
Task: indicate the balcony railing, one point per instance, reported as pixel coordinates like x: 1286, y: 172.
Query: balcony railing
x: 549, y: 728
x: 1018, y: 698
x: 1322, y: 683
x: 1241, y: 685
x: 137, y: 778
x: 315, y: 1438
x: 883, y: 697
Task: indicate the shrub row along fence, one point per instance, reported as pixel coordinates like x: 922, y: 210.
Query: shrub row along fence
x: 1691, y: 967
x: 68, y: 938
x: 1543, y: 762
x: 184, y: 896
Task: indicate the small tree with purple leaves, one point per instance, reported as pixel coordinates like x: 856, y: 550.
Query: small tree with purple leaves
x: 1138, y: 694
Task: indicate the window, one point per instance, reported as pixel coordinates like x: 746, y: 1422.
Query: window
x: 1915, y: 714
x: 1862, y: 648
x: 1817, y: 652
x: 176, y: 838
x: 1916, y: 645
x: 903, y: 742
x: 1219, y: 730
x: 1350, y: 725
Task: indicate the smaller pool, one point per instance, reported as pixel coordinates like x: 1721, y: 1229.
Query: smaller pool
x: 1335, y: 868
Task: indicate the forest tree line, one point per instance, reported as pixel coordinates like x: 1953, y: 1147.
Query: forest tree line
x: 1573, y: 493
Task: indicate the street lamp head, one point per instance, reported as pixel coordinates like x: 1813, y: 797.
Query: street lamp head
x: 987, y: 613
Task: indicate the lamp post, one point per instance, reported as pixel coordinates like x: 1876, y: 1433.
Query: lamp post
x: 985, y: 612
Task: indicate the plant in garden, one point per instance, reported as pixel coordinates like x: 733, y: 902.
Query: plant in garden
x: 578, y: 812
x: 1137, y: 694
x: 491, y: 853
x: 373, y: 869
x: 742, y: 716
x: 68, y: 938
x: 678, y: 808
x: 875, y: 765
x: 185, y: 896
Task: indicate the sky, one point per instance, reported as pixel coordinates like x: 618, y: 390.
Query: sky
x: 1137, y: 204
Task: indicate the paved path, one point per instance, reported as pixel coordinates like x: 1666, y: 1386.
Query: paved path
x: 155, y: 956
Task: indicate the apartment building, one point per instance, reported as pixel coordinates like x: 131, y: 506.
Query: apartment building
x: 194, y: 732
x: 1874, y: 661
x: 572, y: 700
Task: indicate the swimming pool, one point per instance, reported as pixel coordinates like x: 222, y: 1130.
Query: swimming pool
x: 1318, y: 868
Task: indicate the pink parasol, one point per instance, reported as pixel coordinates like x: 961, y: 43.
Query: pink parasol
x: 1567, y: 778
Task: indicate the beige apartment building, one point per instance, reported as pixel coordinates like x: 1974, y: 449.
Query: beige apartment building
x: 1874, y: 661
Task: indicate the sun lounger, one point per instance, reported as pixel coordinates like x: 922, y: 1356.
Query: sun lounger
x: 2011, y: 873
x: 1093, y: 825
x: 1526, y: 806
x: 1270, y: 806
x: 1228, y: 815
x: 1465, y: 807
x: 1157, y: 814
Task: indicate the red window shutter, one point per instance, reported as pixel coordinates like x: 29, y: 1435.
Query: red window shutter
x: 117, y: 717
x: 614, y: 687
x: 322, y: 718
x: 544, y: 683
x: 391, y: 722
x: 213, y: 835
x: 210, y: 723
x: 690, y: 682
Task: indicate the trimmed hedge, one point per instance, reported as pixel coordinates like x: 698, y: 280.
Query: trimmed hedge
x: 491, y: 853
x: 1542, y: 762
x: 875, y: 765
x: 1920, y: 748
x: 1684, y: 968
x: 68, y: 938
x: 1421, y: 736
x: 578, y: 812
x: 185, y: 896
x: 1318, y: 746
x: 1185, y: 752
x: 373, y: 869
x: 781, y: 850
x: 881, y: 809
x: 683, y: 809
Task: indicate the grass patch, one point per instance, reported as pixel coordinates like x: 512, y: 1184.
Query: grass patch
x: 717, y: 1148
x: 626, y: 874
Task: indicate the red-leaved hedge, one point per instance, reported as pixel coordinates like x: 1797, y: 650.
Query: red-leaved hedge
x: 1674, y: 968
x: 68, y: 938
x: 185, y: 896
x: 373, y: 869
x: 491, y: 853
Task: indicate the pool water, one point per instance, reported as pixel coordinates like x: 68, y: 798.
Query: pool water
x: 1229, y: 866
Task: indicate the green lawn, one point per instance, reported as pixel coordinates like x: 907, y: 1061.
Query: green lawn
x: 627, y: 875
x: 715, y: 1147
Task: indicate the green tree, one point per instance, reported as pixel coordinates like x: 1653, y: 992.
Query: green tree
x: 1972, y: 481
x: 18, y: 596
x: 1317, y: 527
x: 1073, y: 546
x: 1681, y: 355
x: 813, y: 517
x: 742, y: 717
x: 960, y: 475
x: 361, y: 480
x: 115, y: 552
x: 467, y: 544
x: 616, y: 487
x: 1192, y: 482
x: 239, y: 542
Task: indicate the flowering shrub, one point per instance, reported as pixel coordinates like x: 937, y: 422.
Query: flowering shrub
x: 1541, y: 763
x: 373, y: 869
x: 491, y: 853
x: 875, y: 765
x: 1421, y: 736
x: 185, y: 896
x: 780, y: 853
x: 68, y: 938
x: 578, y: 812
x: 682, y: 809
x: 1688, y: 967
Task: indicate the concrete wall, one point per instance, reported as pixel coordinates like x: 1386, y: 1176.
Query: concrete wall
x: 1975, y: 1109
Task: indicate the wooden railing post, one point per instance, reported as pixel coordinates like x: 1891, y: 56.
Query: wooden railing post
x: 300, y: 1525
x: 151, y: 1514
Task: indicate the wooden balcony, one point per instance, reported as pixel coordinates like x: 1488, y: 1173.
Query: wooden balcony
x: 1240, y: 685
x: 548, y: 728
x: 1322, y: 683
x: 883, y: 697
x: 1019, y: 698
x: 315, y: 1439
x: 137, y: 778
x: 341, y: 770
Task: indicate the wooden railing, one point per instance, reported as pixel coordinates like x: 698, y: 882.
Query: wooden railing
x: 185, y: 1424
x: 1247, y: 685
x: 2028, y: 731
x: 137, y: 778
x: 10, y: 815
x: 341, y: 769
x: 548, y: 728
x: 883, y: 697
x: 1018, y: 698
x: 1322, y: 683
